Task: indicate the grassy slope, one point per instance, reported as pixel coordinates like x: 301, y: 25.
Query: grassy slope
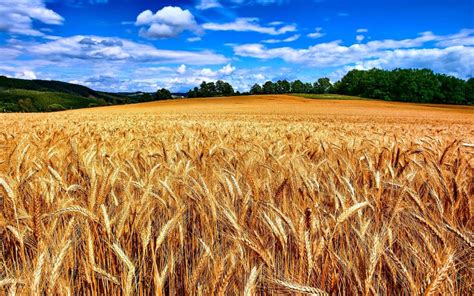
x: 44, y: 93
x: 43, y: 99
x: 56, y: 86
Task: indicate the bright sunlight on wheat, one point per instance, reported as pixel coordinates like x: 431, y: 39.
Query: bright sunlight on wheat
x: 233, y: 199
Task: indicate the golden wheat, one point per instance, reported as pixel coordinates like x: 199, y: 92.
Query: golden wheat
x: 267, y: 196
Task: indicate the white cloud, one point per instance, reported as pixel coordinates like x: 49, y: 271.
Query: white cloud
x: 181, y: 69
x: 276, y: 23
x: 464, y: 37
x: 360, y: 38
x: 178, y: 81
x: 103, y: 75
x: 362, y: 30
x: 27, y: 74
x: 289, y: 39
x: 457, y: 60
x: 218, y: 74
x: 168, y: 22
x: 317, y: 33
x: 241, y: 79
x: 7, y: 54
x: 116, y: 49
x: 194, y: 39
x: 208, y: 4
x: 249, y: 25
x: 227, y: 70
x: 18, y: 16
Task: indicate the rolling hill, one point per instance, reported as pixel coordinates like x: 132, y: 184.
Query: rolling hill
x: 19, y: 95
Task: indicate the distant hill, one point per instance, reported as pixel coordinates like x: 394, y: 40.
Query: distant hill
x: 19, y: 95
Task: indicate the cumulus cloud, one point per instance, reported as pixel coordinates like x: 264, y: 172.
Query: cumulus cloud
x: 178, y: 80
x: 18, y: 16
x: 168, y: 22
x: 27, y: 74
x: 249, y: 25
x: 240, y: 78
x: 458, y: 60
x: 181, y: 69
x: 116, y: 49
x: 227, y: 70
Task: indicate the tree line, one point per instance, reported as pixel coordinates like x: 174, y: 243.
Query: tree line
x: 322, y: 86
x: 406, y: 85
x: 159, y: 95
x: 211, y: 89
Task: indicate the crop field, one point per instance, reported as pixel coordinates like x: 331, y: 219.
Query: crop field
x: 260, y: 195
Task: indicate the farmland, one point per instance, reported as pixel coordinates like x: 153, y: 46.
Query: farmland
x: 270, y: 195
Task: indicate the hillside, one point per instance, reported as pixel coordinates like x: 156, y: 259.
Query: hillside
x: 19, y: 95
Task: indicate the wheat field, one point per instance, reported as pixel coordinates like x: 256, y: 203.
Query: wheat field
x: 272, y: 195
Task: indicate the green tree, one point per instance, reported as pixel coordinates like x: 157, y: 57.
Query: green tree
x: 224, y: 89
x: 282, y: 87
x: 26, y: 105
x: 409, y: 85
x: 163, y: 94
x: 322, y: 86
x: 9, y: 107
x: 298, y: 87
x: 469, y: 90
x: 193, y: 93
x: 269, y: 88
x: 451, y: 90
x: 55, y: 108
x: 146, y: 97
x: 256, y: 89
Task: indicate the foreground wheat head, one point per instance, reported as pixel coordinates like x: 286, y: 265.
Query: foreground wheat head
x: 183, y: 205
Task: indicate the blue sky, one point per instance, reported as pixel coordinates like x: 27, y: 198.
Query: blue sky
x: 129, y: 45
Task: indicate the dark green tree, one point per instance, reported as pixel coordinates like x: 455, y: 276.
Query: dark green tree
x: 469, y: 90
x: 224, y: 89
x: 298, y: 87
x: 256, y: 89
x: 26, y: 105
x: 269, y: 88
x: 146, y: 97
x: 451, y: 90
x: 163, y: 94
x: 282, y: 87
x: 322, y: 86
